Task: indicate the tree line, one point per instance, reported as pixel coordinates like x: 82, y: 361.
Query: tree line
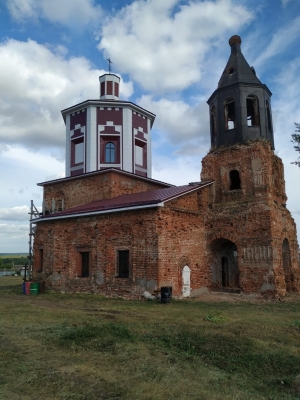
x: 296, y: 142
x: 8, y: 262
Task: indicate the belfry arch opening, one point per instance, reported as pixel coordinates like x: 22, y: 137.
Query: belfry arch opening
x: 213, y: 123
x: 224, y: 265
x: 229, y: 114
x: 252, y: 111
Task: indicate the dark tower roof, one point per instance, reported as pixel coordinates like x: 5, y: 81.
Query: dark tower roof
x: 237, y: 69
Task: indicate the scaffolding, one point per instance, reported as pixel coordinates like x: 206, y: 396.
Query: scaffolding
x: 34, y: 215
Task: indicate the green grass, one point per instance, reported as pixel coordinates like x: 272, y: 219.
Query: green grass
x: 62, y: 346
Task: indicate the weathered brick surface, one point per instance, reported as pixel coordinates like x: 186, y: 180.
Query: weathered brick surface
x: 85, y: 189
x: 159, y: 241
x: 103, y: 236
x: 254, y: 217
x: 250, y: 224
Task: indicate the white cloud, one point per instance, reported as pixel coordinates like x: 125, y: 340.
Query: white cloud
x: 19, y: 213
x: 179, y: 122
x: 187, y: 169
x: 73, y: 13
x: 13, y: 238
x: 35, y: 84
x: 161, y: 44
x: 3, y: 148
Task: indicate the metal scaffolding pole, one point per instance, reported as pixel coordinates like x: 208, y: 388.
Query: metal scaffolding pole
x: 34, y: 214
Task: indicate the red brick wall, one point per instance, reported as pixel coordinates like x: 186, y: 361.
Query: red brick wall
x: 84, y: 190
x: 63, y: 240
x: 161, y: 241
x: 181, y: 242
x: 254, y: 218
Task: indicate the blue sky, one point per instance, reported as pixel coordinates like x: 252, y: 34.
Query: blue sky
x: 170, y: 55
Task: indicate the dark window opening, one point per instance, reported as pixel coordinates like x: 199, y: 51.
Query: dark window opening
x: 252, y: 111
x: 235, y: 181
x: 102, y: 88
x: 229, y: 111
x: 269, y: 120
x: 213, y: 122
x: 231, y: 70
x: 225, y: 272
x: 41, y: 259
x: 123, y: 264
x: 110, y: 152
x: 85, y: 265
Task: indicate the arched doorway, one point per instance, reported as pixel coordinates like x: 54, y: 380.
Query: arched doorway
x: 224, y: 264
x: 286, y: 264
x: 225, y: 272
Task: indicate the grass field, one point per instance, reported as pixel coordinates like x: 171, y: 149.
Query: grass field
x: 13, y: 255
x: 61, y: 346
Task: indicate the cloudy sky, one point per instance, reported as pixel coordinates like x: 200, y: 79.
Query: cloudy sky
x: 170, y: 55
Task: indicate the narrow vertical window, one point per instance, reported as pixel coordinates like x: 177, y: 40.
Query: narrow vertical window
x: 235, y: 181
x: 102, y: 88
x: 269, y: 120
x: 252, y: 111
x: 109, y: 86
x: 85, y: 264
x: 229, y: 114
x: 116, y: 89
x: 123, y: 264
x: 110, y: 152
x: 41, y: 259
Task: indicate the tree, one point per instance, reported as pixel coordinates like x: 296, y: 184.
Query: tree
x: 296, y: 141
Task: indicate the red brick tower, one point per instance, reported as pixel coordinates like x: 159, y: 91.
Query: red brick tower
x: 251, y: 236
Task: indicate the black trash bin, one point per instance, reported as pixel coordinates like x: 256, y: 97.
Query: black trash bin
x: 166, y: 294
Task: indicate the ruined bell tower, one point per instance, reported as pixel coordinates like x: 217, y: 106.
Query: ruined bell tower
x: 251, y: 236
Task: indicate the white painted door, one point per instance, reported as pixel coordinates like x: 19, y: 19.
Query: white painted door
x: 186, y: 281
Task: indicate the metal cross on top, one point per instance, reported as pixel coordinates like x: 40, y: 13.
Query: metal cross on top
x: 109, y: 65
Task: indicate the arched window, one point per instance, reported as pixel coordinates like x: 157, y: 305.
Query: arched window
x: 252, y: 111
x: 213, y: 122
x: 269, y: 120
x: 235, y: 181
x: 229, y: 114
x: 110, y: 152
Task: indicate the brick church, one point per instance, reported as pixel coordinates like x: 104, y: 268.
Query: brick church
x: 109, y: 228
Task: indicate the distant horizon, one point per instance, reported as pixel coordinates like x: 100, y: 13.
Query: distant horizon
x: 19, y: 252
